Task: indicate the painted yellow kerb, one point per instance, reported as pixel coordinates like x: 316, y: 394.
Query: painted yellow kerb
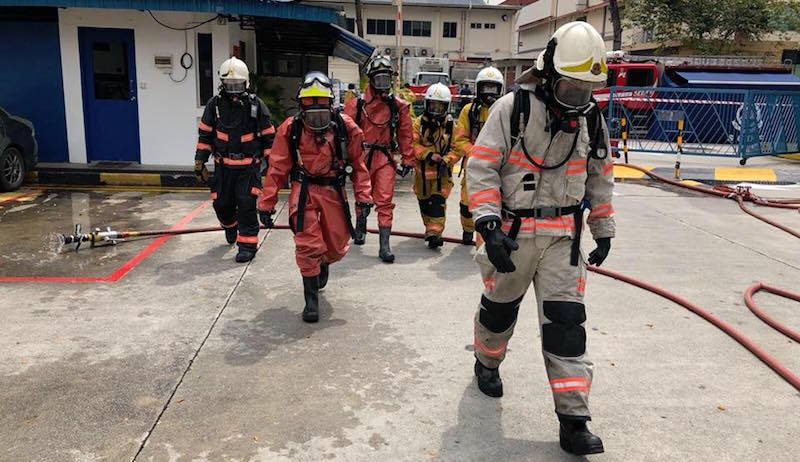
x: 135, y: 179
x: 620, y: 171
x: 744, y: 174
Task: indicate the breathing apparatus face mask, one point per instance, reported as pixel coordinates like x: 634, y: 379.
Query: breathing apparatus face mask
x: 316, y: 113
x: 381, y: 82
x: 571, y: 93
x: 488, y: 92
x: 234, y: 86
x: 436, y: 109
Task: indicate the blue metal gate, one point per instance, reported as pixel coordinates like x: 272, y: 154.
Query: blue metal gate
x: 729, y: 123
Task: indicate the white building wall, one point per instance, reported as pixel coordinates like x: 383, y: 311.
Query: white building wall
x: 471, y: 43
x: 168, y: 111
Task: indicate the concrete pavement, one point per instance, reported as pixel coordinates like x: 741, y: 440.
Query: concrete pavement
x: 205, y: 359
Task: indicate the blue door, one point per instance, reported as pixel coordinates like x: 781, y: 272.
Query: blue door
x: 110, y: 107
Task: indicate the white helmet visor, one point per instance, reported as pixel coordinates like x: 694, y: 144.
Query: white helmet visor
x: 234, y: 86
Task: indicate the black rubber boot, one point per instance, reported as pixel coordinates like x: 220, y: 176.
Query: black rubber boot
x: 466, y: 238
x: 385, y: 252
x: 323, y: 274
x: 489, y: 381
x: 245, y: 255
x: 230, y: 235
x: 434, y: 241
x: 311, y: 294
x: 361, y: 231
x: 575, y: 438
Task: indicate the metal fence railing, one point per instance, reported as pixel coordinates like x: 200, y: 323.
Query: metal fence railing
x: 730, y: 123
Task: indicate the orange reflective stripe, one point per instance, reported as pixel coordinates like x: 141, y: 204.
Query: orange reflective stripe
x: 490, y: 352
x: 489, y: 283
x: 213, y: 195
x: 204, y: 127
x: 581, y: 285
x: 247, y: 239
x: 576, y: 167
x: 601, y: 211
x: 203, y: 147
x: 564, y: 222
x: 482, y: 197
x: 524, y: 164
x: 255, y: 191
x: 222, y: 135
x: 608, y: 167
x: 522, y: 157
x: 481, y: 156
x: 268, y: 131
x: 245, y: 161
x: 248, y: 137
x: 570, y: 384
x: 485, y: 150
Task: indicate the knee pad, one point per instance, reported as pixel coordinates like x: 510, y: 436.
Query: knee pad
x: 436, y: 206
x: 498, y: 317
x: 424, y: 206
x: 564, y: 335
x: 465, y: 211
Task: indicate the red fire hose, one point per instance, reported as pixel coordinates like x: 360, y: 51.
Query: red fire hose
x: 739, y: 194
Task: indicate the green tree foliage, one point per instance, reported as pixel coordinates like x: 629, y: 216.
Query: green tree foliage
x: 712, y: 25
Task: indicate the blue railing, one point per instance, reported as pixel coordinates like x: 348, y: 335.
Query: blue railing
x: 729, y: 123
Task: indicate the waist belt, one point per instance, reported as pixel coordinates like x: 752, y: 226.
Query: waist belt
x: 237, y: 159
x: 386, y: 149
x: 549, y: 212
x: 337, y: 182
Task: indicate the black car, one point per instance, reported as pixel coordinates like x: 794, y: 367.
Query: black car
x: 18, y: 150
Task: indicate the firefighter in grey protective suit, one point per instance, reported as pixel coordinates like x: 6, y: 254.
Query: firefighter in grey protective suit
x: 538, y: 163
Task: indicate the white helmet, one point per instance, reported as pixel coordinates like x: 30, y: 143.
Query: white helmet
x: 437, y: 100
x: 234, y: 75
x: 489, y: 84
x: 578, y: 52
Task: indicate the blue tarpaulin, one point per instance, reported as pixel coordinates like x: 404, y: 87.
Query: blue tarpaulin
x: 350, y: 47
x: 260, y: 8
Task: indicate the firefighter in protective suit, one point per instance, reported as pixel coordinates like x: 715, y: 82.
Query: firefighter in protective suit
x: 236, y: 129
x: 489, y: 87
x: 433, y: 173
x: 540, y: 160
x: 386, y: 122
x: 318, y: 149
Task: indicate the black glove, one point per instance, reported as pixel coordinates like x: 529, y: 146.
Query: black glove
x: 266, y: 218
x: 363, y: 209
x: 598, y: 255
x: 403, y: 170
x: 201, y: 171
x: 498, y: 245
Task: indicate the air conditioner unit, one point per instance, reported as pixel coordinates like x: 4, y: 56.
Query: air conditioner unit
x: 409, y: 51
x: 425, y: 52
x: 389, y: 51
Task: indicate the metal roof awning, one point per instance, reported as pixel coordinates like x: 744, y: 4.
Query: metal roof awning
x: 350, y: 46
x: 260, y: 8
x: 759, y: 80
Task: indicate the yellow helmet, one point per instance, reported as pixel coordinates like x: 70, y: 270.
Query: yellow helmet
x: 315, y: 85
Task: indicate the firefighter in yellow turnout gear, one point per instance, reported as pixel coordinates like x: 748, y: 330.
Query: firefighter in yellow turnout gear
x: 489, y: 87
x: 433, y: 132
